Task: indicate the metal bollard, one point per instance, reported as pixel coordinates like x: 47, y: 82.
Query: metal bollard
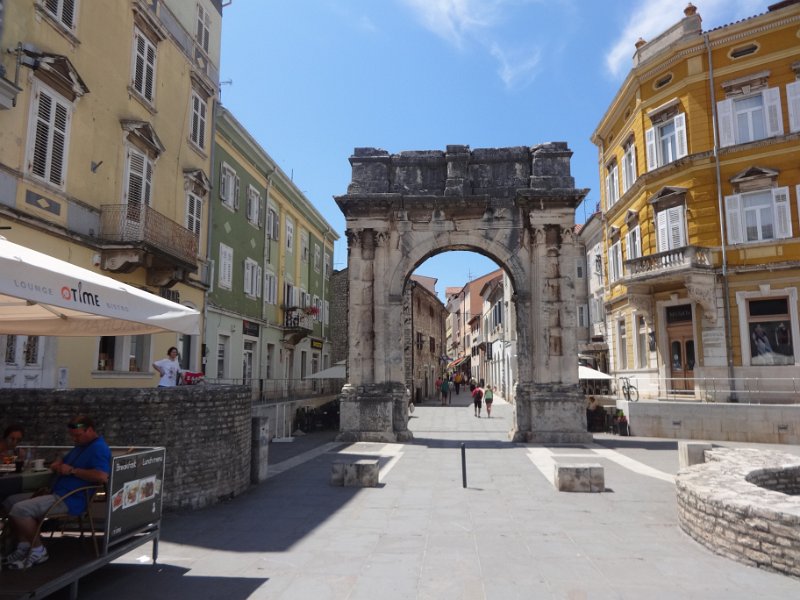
x: 464, y: 464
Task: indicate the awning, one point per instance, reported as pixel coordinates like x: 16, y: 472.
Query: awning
x: 337, y: 371
x: 42, y: 295
x: 456, y: 362
x: 589, y: 373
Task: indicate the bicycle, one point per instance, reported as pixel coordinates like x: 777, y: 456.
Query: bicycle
x: 629, y: 390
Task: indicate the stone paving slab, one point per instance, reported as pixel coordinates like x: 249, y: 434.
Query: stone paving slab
x: 421, y: 535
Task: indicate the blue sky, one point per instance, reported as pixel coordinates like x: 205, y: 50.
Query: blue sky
x: 314, y: 79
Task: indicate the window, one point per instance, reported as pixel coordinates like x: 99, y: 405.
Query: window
x: 317, y: 304
x: 253, y: 205
x: 628, y: 166
x: 48, y: 138
x: 583, y: 312
x: 269, y: 362
x: 749, y: 118
x: 758, y: 216
x: 124, y: 353
x: 225, y: 266
x: 793, y: 98
x: 671, y: 228
x: 270, y: 288
x: 666, y: 142
x: 289, y: 299
x: 612, y: 184
x: 432, y: 345
x: 273, y: 224
x: 194, y: 213
x: 317, y: 258
x: 642, y: 339
x: 202, y: 34
x: 580, y: 268
x: 63, y: 11
x: 622, y: 345
x: 633, y: 243
x: 615, y: 261
x: 289, y: 235
x: 144, y: 66
x: 252, y: 278
x: 222, y: 356
x: 304, y: 245
x: 596, y: 310
x: 770, y: 330
x: 228, y: 187
x: 328, y: 265
x: 139, y: 183
x: 23, y: 350
x: 198, y: 125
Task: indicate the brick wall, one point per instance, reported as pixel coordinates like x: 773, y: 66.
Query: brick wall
x: 205, y: 429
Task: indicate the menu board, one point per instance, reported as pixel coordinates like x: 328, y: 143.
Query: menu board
x: 135, y: 487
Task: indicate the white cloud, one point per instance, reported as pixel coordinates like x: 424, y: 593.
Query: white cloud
x: 517, y: 70
x: 454, y: 20
x: 652, y: 17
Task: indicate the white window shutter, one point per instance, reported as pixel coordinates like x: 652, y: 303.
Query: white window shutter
x: 793, y: 98
x: 783, y: 216
x: 677, y: 227
x: 609, y: 199
x: 633, y: 165
x: 222, y: 181
x: 650, y: 144
x: 682, y: 148
x: 258, y: 279
x: 236, y: 193
x: 733, y: 219
x: 772, y: 104
x: 663, y: 231
x: 725, y: 123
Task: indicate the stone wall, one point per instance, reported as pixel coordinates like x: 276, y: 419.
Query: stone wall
x: 338, y: 323
x: 722, y: 510
x: 205, y: 429
x: 758, y: 423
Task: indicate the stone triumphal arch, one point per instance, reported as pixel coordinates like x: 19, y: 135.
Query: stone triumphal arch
x: 514, y: 205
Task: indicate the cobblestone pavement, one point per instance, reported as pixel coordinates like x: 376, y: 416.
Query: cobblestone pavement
x: 421, y: 535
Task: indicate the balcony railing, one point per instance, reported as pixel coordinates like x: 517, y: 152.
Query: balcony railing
x: 297, y: 318
x: 141, y: 224
x: 688, y: 257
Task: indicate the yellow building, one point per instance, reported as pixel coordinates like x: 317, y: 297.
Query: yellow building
x: 698, y: 155
x: 105, y: 148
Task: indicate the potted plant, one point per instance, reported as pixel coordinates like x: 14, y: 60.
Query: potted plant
x: 312, y: 311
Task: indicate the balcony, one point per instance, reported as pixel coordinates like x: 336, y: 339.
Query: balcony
x: 671, y: 265
x: 297, y: 324
x: 140, y: 236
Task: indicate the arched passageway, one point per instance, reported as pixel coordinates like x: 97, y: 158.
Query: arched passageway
x: 514, y: 205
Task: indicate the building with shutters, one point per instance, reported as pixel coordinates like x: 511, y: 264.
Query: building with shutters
x: 271, y: 254
x: 105, y: 156
x: 698, y: 160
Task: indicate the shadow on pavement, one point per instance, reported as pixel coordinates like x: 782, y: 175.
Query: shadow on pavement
x: 163, y: 582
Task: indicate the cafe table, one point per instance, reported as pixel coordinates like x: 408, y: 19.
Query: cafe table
x: 27, y: 481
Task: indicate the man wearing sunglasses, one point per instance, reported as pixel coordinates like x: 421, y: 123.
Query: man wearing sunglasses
x: 89, y: 462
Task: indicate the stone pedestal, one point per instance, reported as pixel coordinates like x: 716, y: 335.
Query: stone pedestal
x: 583, y: 477
x: 259, y: 445
x: 374, y: 413
x: 550, y: 414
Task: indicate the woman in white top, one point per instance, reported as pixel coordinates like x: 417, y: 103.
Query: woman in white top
x: 169, y: 368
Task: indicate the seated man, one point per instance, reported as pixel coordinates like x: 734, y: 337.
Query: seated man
x: 89, y: 462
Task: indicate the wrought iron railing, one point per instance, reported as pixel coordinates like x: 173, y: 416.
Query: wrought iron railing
x: 746, y: 390
x: 298, y: 318
x: 130, y: 223
x: 670, y: 260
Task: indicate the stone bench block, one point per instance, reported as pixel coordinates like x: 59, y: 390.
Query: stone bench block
x: 356, y: 473
x: 691, y: 453
x: 584, y: 477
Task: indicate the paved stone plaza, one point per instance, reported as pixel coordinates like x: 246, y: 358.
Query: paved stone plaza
x: 421, y: 535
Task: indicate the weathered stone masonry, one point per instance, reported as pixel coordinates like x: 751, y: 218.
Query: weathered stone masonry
x: 514, y: 205
x: 206, y: 431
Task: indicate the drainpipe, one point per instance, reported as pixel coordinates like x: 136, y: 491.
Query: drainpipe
x: 204, y: 356
x: 725, y: 285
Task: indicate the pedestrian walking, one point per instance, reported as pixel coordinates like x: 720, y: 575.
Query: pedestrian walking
x: 488, y: 397
x: 477, y: 396
x: 457, y: 382
x: 445, y: 390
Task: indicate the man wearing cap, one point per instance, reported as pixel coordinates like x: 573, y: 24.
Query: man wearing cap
x: 89, y: 462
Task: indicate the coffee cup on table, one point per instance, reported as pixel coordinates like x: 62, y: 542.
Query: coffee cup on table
x: 38, y: 464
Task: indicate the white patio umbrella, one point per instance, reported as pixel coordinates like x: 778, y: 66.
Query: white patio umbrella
x: 337, y: 371
x: 589, y: 373
x: 42, y: 295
